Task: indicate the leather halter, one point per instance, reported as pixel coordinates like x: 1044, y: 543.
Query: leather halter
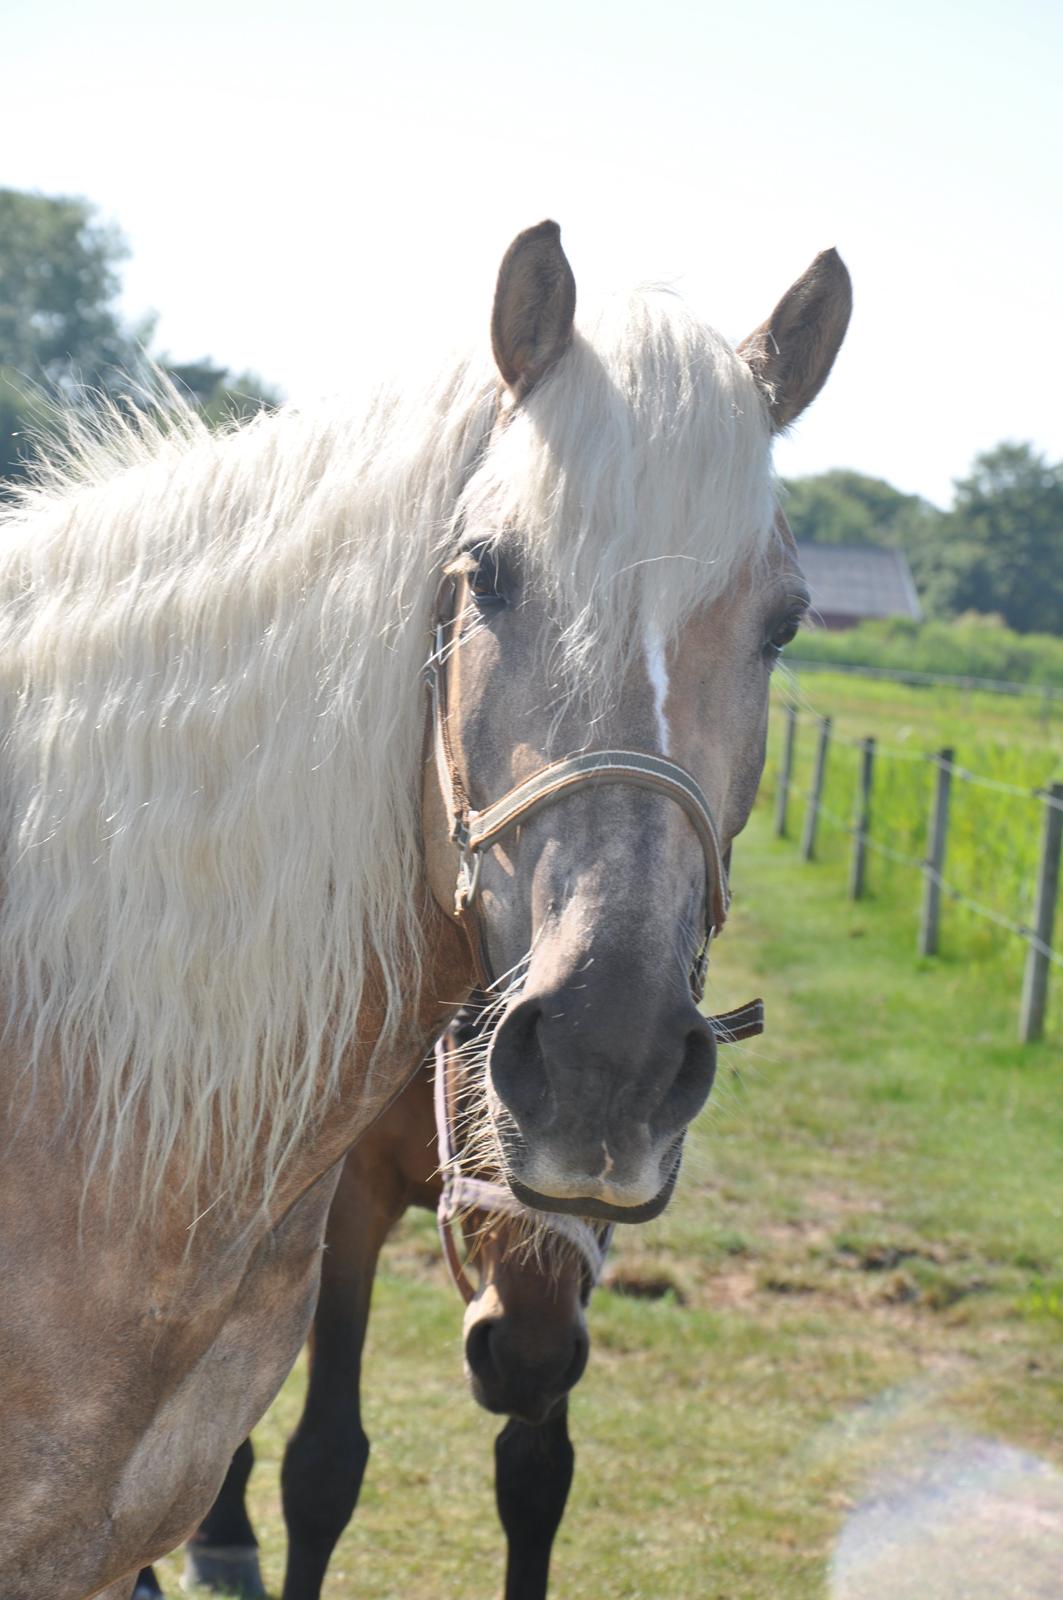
x: 475, y: 831
x: 462, y: 1194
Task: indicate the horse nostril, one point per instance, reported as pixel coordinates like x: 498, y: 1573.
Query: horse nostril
x: 478, y: 1349
x: 690, y: 1087
x: 517, y: 1068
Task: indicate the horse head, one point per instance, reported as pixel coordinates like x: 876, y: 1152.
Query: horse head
x: 526, y: 1279
x: 621, y: 588
x: 525, y: 1333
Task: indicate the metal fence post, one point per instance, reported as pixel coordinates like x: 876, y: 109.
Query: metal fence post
x: 815, y: 795
x: 935, y: 854
x: 1035, y: 980
x: 862, y: 820
x: 786, y: 769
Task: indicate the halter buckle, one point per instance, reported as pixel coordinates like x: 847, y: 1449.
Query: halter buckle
x: 700, y: 970
x: 468, y: 873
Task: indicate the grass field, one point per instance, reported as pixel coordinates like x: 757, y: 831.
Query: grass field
x: 1024, y: 730
x: 994, y: 836
x: 866, y: 1270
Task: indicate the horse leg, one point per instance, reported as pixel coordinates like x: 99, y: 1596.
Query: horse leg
x: 533, y: 1474
x: 326, y: 1456
x: 222, y: 1554
x: 147, y: 1585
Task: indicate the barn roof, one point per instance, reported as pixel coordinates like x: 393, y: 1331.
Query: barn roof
x: 859, y: 580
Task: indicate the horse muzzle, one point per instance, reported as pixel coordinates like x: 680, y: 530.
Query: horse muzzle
x: 508, y: 1378
x: 590, y: 1108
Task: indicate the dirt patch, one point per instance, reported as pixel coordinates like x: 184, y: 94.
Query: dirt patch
x: 643, y: 1283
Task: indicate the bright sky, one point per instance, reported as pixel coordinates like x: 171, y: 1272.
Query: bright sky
x: 312, y: 188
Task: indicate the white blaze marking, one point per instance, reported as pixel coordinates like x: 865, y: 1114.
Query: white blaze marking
x: 657, y: 671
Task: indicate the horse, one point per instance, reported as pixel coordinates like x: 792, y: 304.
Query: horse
x: 248, y: 873
x: 525, y: 1335
x: 525, y: 1342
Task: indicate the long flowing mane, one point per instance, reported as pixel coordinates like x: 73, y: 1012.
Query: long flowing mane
x: 212, y: 717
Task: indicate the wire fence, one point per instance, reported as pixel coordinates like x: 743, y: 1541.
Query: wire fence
x: 917, y: 810
x: 1046, y: 693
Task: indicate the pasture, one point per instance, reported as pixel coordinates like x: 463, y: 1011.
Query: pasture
x: 1004, y: 750
x: 862, y: 1266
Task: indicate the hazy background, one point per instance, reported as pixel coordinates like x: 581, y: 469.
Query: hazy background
x: 309, y: 189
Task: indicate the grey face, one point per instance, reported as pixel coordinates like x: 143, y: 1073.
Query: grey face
x: 597, y: 903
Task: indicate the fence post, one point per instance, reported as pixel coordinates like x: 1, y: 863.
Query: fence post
x: 862, y: 820
x: 815, y: 794
x: 786, y: 768
x: 1035, y: 981
x: 935, y: 854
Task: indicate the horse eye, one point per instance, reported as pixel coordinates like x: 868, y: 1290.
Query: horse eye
x: 784, y: 633
x: 485, y: 577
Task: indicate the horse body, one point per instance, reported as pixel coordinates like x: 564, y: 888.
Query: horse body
x: 221, y: 945
x: 530, y: 1303
x: 183, y: 1351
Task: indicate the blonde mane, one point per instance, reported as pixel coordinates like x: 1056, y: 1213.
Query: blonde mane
x: 212, y: 716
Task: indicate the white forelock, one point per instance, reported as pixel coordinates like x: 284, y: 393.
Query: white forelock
x: 634, y: 480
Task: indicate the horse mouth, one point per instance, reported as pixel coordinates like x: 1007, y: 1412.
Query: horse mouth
x: 594, y: 1207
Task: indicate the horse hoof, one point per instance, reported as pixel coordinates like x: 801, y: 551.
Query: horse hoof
x: 227, y: 1569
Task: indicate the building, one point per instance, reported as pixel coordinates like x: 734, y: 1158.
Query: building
x: 851, y: 583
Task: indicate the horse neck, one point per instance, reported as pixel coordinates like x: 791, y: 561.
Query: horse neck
x: 447, y: 977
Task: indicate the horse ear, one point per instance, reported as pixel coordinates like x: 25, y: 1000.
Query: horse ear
x: 535, y: 302
x: 791, y: 354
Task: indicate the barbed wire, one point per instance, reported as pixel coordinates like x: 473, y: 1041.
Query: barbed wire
x: 931, y: 758
x: 982, y: 782
x: 796, y: 664
x: 957, y: 896
x: 895, y: 752
x: 809, y: 714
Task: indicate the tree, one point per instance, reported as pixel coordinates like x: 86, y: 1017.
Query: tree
x: 1002, y: 545
x: 59, y: 283
x: 61, y: 334
x: 63, y: 341
x: 844, y: 507
x: 221, y: 395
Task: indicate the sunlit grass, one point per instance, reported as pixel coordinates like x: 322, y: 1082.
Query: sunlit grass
x: 865, y: 1248
x: 994, y: 838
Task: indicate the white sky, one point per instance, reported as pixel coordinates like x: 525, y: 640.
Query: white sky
x: 312, y: 188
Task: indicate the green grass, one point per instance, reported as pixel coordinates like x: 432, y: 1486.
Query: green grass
x: 969, y: 648
x: 866, y: 1251
x: 994, y: 837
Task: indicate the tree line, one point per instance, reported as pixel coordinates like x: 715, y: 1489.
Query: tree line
x: 63, y: 340
x: 997, y: 551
